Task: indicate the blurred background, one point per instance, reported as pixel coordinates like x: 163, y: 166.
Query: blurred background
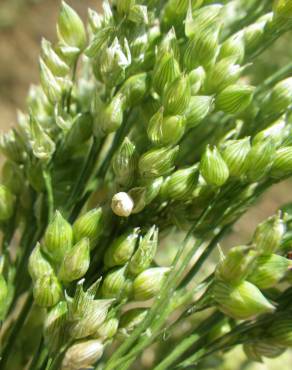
x: 22, y: 25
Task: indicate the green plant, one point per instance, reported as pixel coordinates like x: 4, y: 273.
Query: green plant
x: 145, y: 124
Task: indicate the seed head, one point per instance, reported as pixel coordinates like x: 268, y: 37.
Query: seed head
x: 259, y: 160
x: 42, y: 145
x: 148, y: 283
x: 233, y: 47
x: 108, y: 329
x: 165, y: 71
x: 176, y: 96
x: 125, y: 163
x: 269, y: 270
x: 213, y: 167
x: 85, y: 314
x: 124, y: 6
x: 234, y: 99
x: 70, y: 27
x: 116, y: 284
x: 237, y: 264
x: 282, y: 164
x: 268, y: 234
x: 234, y: 154
x: 201, y: 50
x: 76, y: 261
x: 135, y: 88
x: 110, y: 116
x: 130, y: 320
x: 82, y: 355
x: 58, y: 238
x: 262, y: 348
x: 181, y: 184
x: 223, y: 74
x: 57, y: 66
x: 11, y: 146
x: 198, y: 109
x: 51, y: 86
x: 89, y: 226
x: 202, y: 19
x: 47, y: 290
x: 157, y: 162
x: 114, y: 61
x: 121, y: 250
x: 197, y: 78
x: 280, y: 330
x: 38, y: 265
x: 165, y: 130
x: 54, y: 326
x: 279, y: 99
x: 145, y: 252
x: 241, y: 301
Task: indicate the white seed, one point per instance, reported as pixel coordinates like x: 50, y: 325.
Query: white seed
x: 122, y: 204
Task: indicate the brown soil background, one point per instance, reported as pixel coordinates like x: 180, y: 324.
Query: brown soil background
x: 22, y: 25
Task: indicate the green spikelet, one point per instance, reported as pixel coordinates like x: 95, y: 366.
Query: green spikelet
x: 58, y: 238
x: 148, y: 283
x: 89, y: 226
x: 125, y: 162
x: 165, y: 71
x: 213, y: 167
x: 145, y: 252
x: 241, y: 301
x: 280, y: 330
x: 234, y: 154
x: 165, y: 130
x: 181, y: 184
x: 115, y: 284
x: 157, y: 162
x: 234, y: 99
x: 269, y: 270
x: 199, y: 108
x: 70, y: 27
x: 121, y: 250
x: 282, y: 164
x: 268, y: 234
x: 177, y: 96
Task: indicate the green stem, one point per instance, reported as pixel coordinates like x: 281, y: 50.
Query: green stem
x: 34, y: 365
x: 194, y: 270
x: 28, y: 237
x: 48, y: 364
x: 8, y: 235
x: 50, y: 194
x: 68, y: 105
x: 9, y: 347
x: 234, y: 337
x: 119, y: 136
x: 199, y: 333
x: 85, y: 174
x: 194, y: 308
x: 54, y: 364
